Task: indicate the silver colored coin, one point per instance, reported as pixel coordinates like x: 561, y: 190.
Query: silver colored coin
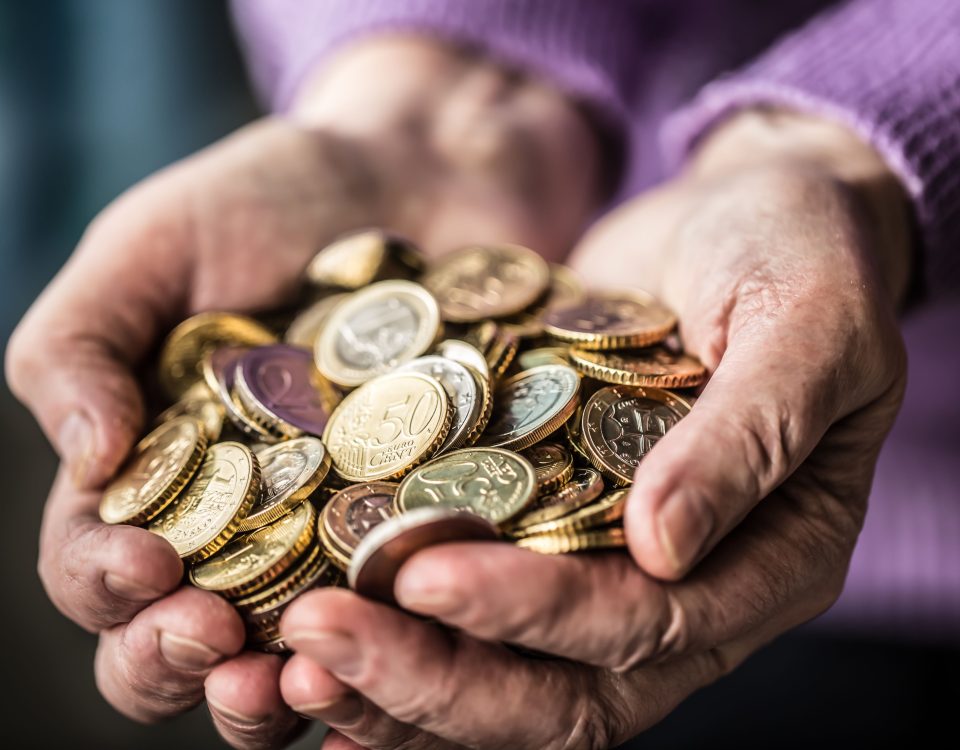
x: 462, y: 390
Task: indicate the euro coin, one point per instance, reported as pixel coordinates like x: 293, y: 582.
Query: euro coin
x: 655, y: 366
x: 561, y: 544
x: 544, y: 355
x: 305, y: 329
x: 219, y: 371
x: 462, y: 389
x: 603, y: 512
x: 584, y: 487
x: 465, y: 354
x: 358, y: 259
x: 611, y: 320
x: 198, y: 402
x: 552, y: 463
x: 350, y: 515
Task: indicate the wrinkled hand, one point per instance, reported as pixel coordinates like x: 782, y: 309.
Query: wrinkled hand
x: 782, y: 249
x: 233, y: 228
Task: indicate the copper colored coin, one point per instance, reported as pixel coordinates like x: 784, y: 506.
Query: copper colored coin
x: 352, y: 513
x: 655, y: 366
x: 611, y: 320
x: 386, y: 548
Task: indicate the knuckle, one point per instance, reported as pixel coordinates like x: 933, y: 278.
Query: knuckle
x: 655, y: 638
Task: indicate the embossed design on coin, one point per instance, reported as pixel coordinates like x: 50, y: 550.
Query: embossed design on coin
x: 388, y: 426
x: 531, y: 405
x: 352, y: 513
x: 158, y: 469
x: 487, y: 281
x: 462, y: 390
x: 611, y: 320
x: 656, y: 366
x: 306, y: 327
x: 621, y: 424
x: 495, y: 484
x: 584, y: 486
x: 360, y: 258
x: 552, y: 463
x: 375, y: 330
x: 206, y: 514
x: 289, y: 472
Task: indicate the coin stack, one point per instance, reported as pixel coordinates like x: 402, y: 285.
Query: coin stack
x: 484, y: 396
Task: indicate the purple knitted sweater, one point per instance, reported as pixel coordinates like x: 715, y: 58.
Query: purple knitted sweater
x: 660, y: 73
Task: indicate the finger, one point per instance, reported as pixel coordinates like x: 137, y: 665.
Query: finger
x: 244, y: 699
x: 154, y: 667
x: 336, y: 741
x: 100, y: 575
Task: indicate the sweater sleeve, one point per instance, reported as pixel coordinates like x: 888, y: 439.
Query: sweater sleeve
x: 888, y: 69
x: 582, y: 47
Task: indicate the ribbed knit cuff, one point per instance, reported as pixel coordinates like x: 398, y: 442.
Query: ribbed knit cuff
x: 887, y: 69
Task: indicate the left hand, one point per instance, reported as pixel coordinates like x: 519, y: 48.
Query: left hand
x: 783, y: 250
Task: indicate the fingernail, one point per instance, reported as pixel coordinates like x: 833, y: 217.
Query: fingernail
x: 185, y: 653
x: 336, y: 651
x: 343, y: 710
x: 75, y: 442
x: 233, y: 716
x: 684, y: 525
x: 129, y: 589
x: 424, y: 596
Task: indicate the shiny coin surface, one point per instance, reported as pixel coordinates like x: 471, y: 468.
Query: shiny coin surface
x: 545, y: 355
x: 198, y: 402
x: 561, y: 544
x: 305, y: 329
x: 621, y: 424
x: 531, y: 405
x: 219, y: 369
x: 493, y: 483
x: 157, y: 470
x: 584, y: 487
x: 552, y: 463
x: 387, y: 547
x: 289, y: 472
x: 206, y: 514
x: 350, y: 515
x: 656, y: 366
x: 611, y: 320
x: 185, y: 347
x: 281, y: 389
x: 465, y: 354
x: 486, y: 281
x: 361, y: 258
x: 462, y: 389
x: 253, y: 560
x: 387, y: 426
x: 604, y: 511
x: 375, y: 330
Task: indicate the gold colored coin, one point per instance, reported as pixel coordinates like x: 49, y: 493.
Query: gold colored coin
x: 605, y: 511
x: 486, y: 408
x: 462, y: 389
x: 290, y: 471
x: 493, y: 483
x: 311, y: 563
x: 305, y: 329
x: 531, y: 405
x: 611, y: 320
x: 621, y: 424
x: 465, y: 354
x: 561, y: 544
x: 350, y: 515
x: 656, y: 366
x: 207, y: 513
x: 498, y: 346
x: 552, y: 463
x: 157, y: 471
x: 198, y: 402
x: 584, y: 487
x: 358, y: 259
x: 182, y: 354
x: 387, y: 426
x: 487, y: 281
x: 565, y: 289
x: 375, y: 330
x: 251, y: 561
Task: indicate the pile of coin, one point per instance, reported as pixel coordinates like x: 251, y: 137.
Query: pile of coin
x: 484, y: 396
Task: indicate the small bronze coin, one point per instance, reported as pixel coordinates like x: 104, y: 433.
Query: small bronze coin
x: 621, y: 424
x: 552, y: 463
x: 611, y: 320
x: 281, y: 389
x: 350, y: 514
x: 251, y: 561
x: 198, y: 402
x: 157, y: 470
x: 486, y: 281
x: 387, y: 426
x: 305, y: 329
x: 360, y: 258
x: 531, y: 405
x: 584, y: 487
x: 655, y: 366
x: 219, y: 368
x: 290, y: 472
x: 561, y: 544
x: 462, y: 389
x: 386, y: 548
x: 604, y: 511
x: 207, y: 513
x: 375, y: 330
x: 493, y: 483
x: 185, y: 347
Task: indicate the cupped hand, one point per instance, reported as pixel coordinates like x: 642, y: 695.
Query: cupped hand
x: 783, y: 249
x: 232, y: 228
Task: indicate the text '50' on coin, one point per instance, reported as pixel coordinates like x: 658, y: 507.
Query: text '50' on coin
x: 387, y: 426
x: 621, y: 424
x: 493, y: 483
x: 206, y: 514
x: 611, y: 320
x: 375, y: 330
x: 158, y: 469
x: 487, y: 281
x: 531, y: 405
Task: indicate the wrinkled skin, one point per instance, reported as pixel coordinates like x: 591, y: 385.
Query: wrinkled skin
x: 784, y: 261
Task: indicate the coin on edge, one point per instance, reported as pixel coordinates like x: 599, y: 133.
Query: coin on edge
x: 655, y: 366
x: 584, y: 487
x: 387, y: 426
x: 351, y: 514
x: 386, y: 548
x: 157, y: 470
x: 561, y: 544
x: 206, y: 514
x: 219, y: 368
x: 552, y: 463
x: 493, y: 483
x: 611, y: 320
x: 375, y: 330
x: 531, y: 405
x: 289, y: 472
x: 604, y: 511
x: 462, y: 389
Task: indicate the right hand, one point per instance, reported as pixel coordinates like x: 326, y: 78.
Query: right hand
x: 451, y: 150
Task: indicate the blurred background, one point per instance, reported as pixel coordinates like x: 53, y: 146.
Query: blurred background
x: 96, y: 94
